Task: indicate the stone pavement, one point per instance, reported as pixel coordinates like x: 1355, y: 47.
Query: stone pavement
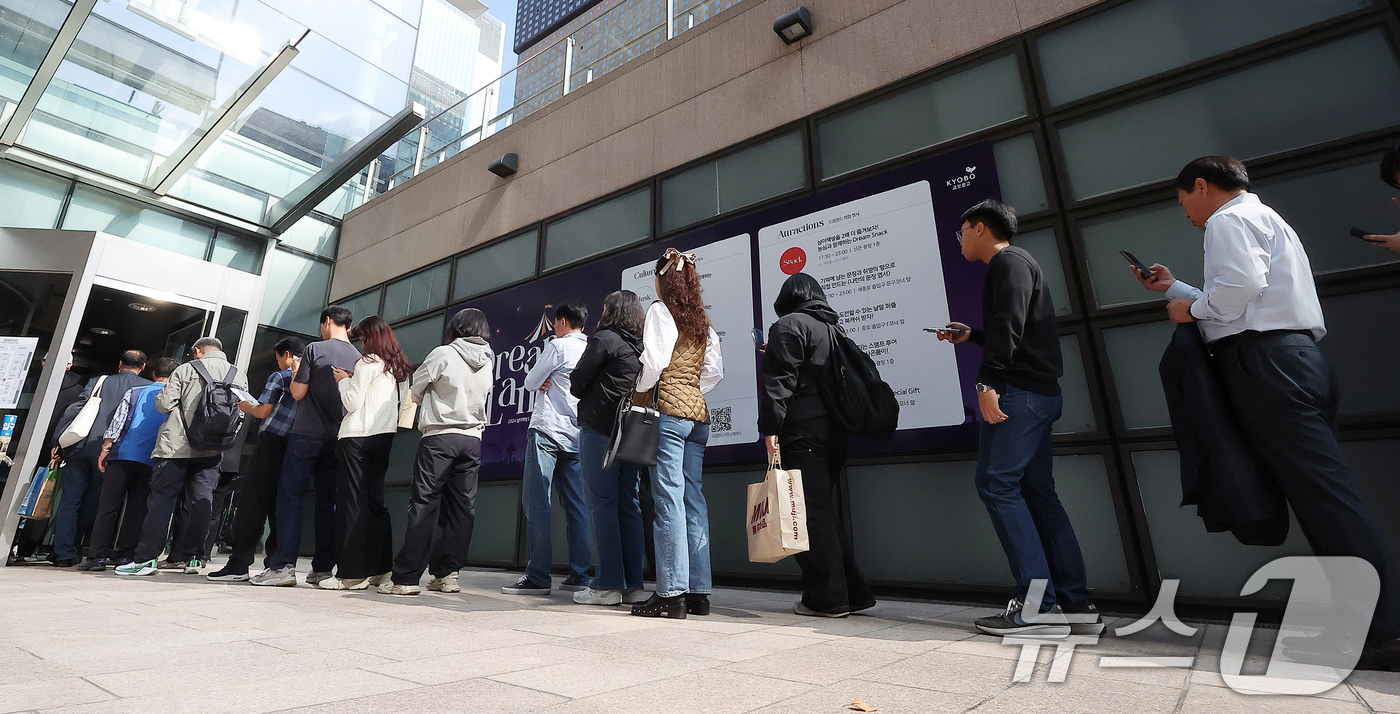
x: 101, y: 644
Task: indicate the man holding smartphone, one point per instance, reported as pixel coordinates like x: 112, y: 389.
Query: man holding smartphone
x: 1018, y: 392
x: 1390, y: 174
x: 1260, y: 317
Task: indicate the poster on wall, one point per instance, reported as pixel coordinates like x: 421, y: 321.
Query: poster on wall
x: 907, y: 274
x: 726, y: 279
x: 16, y: 354
x: 872, y: 258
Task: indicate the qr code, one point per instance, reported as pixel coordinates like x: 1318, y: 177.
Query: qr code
x: 720, y: 419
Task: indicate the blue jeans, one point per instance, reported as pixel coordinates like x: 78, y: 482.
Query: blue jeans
x: 682, y: 518
x: 544, y: 461
x: 1015, y: 479
x: 309, y: 460
x: 615, y: 512
x: 82, y: 484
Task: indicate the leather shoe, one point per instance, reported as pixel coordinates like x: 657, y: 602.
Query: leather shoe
x: 657, y: 606
x: 698, y: 605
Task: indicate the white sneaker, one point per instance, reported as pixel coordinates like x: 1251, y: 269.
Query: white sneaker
x: 632, y: 596
x: 346, y: 584
x: 283, y: 577
x: 377, y: 580
x: 589, y: 596
x: 388, y: 587
x: 445, y: 584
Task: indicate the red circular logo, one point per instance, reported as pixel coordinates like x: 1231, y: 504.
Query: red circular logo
x: 793, y: 260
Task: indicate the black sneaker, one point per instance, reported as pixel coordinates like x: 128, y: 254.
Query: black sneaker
x: 64, y: 562
x: 228, y: 574
x: 1010, y: 622
x: 1085, y: 620
x: 575, y: 584
x: 669, y: 607
x: 698, y: 605
x: 124, y: 560
x: 525, y: 586
x: 169, y: 564
x: 94, y: 566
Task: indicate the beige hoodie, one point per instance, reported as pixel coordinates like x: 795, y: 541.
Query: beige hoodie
x: 453, y: 386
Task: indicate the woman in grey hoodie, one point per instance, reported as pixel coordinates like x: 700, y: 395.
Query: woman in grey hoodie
x: 453, y: 387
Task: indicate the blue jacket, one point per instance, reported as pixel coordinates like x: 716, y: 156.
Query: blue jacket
x: 143, y: 424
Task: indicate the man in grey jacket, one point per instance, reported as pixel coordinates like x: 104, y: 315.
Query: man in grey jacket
x: 453, y: 386
x: 181, y: 468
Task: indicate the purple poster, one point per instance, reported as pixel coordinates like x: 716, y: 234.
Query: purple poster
x: 884, y: 247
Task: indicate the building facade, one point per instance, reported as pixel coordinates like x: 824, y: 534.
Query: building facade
x: 1088, y: 111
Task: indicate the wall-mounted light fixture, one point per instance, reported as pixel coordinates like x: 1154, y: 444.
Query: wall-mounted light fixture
x: 505, y: 166
x: 794, y: 25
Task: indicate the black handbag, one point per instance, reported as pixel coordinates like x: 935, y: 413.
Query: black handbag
x: 636, y: 436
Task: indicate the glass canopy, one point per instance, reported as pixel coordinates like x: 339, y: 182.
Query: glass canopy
x: 231, y: 105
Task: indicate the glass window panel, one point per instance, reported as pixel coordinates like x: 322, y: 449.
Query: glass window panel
x: 690, y: 196
x: 401, y: 457
x: 296, y: 293
x: 1282, y: 105
x: 230, y: 330
x: 491, y: 267
x: 938, y: 502
x: 417, y: 293
x: 363, y: 305
x: 1078, y: 414
x: 1207, y: 563
x: 29, y: 198
x: 754, y: 174
x: 922, y: 116
x: 30, y: 27
x: 1322, y: 204
x: 238, y: 252
x: 616, y: 223
x: 1155, y: 233
x: 221, y: 195
x: 494, y: 533
x: 1363, y: 330
x: 1147, y: 37
x: 1018, y: 171
x: 312, y: 236
x: 1133, y: 355
x: 1042, y: 246
x: 92, y: 210
x: 420, y: 338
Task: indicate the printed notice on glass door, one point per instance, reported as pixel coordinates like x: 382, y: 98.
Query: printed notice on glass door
x: 15, y: 355
x: 726, y: 277
x: 877, y: 259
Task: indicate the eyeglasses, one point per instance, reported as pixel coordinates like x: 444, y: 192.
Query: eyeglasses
x: 960, y: 235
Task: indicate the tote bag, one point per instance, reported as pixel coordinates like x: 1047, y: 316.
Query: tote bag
x: 636, y: 436
x: 777, y: 511
x: 82, y: 423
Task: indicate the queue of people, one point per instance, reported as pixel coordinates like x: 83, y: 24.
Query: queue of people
x: 330, y: 413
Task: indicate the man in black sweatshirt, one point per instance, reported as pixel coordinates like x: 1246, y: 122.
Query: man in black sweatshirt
x: 1018, y: 392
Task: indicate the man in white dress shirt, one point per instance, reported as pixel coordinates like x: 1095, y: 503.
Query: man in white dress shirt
x: 1259, y: 314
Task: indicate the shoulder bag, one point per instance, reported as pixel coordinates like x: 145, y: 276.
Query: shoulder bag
x: 636, y: 433
x: 81, y: 425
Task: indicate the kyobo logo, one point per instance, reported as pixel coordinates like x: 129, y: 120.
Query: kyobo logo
x: 963, y: 181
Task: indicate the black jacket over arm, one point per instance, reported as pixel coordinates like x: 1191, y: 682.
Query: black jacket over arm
x: 1221, y: 475
x: 1021, y: 338
x: 799, y: 350
x: 605, y: 373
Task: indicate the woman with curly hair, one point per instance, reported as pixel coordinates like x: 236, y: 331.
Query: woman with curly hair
x: 680, y: 363
x: 373, y: 394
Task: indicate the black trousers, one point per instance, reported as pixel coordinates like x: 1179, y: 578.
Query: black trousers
x: 125, y: 484
x: 224, y: 494
x: 194, y: 479
x: 1286, y: 394
x: 362, y: 524
x: 256, y: 502
x: 831, y: 580
x: 441, y: 508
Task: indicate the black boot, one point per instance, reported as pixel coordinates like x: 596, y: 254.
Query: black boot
x: 698, y: 605
x: 657, y: 606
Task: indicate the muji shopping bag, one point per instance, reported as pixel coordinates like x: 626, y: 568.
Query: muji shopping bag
x: 777, y: 511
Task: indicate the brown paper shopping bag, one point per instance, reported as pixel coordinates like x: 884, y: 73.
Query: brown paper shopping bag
x: 777, y: 511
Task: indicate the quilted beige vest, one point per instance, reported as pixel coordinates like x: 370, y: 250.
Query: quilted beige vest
x: 680, y: 382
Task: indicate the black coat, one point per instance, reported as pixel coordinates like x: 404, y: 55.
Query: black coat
x: 1221, y: 474
x: 796, y: 360
x: 68, y: 392
x: 605, y: 373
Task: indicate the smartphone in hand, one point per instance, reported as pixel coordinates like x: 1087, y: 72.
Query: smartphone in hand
x: 1142, y: 268
x: 758, y: 340
x: 1359, y: 233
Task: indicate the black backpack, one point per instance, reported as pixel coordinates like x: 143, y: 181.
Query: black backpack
x: 855, y: 396
x: 217, y: 418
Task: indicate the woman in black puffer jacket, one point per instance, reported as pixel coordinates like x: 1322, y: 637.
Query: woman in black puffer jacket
x: 792, y: 417
x: 606, y: 373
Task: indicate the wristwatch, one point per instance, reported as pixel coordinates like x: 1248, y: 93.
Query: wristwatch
x: 982, y: 388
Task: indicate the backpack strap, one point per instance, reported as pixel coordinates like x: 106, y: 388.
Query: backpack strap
x: 198, y: 365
